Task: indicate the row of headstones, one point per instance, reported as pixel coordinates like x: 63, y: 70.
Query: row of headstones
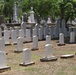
x: 41, y: 33
x: 27, y: 52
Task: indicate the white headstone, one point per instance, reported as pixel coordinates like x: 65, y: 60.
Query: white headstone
x: 28, y: 35
x: 17, y: 32
x: 72, y: 37
x: 48, y: 50
x: 0, y: 32
x: 23, y: 26
x: 11, y: 28
x: 52, y: 32
x: 26, y: 57
x: 45, y: 32
x: 36, y: 28
x: 2, y: 44
x: 48, y: 39
x: 14, y: 37
x: 21, y: 33
x: 61, y: 38
x: 3, y: 60
x: 19, y: 44
x: 40, y: 37
x: 34, y: 32
x: 6, y: 36
x: 35, y: 42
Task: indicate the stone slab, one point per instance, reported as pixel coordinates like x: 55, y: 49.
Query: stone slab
x: 16, y: 51
x: 67, y: 56
x: 2, y: 69
x: 61, y: 44
x: 34, y: 49
x: 45, y: 59
x: 27, y: 64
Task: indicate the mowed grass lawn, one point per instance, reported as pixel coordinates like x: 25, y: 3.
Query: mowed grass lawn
x: 59, y: 67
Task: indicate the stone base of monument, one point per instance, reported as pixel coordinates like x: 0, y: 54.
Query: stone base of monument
x: 72, y: 42
x: 45, y: 59
x: 17, y: 51
x: 2, y: 69
x: 6, y: 44
x: 61, y: 44
x: 14, y: 43
x: 27, y: 41
x: 67, y: 56
x: 34, y: 49
x: 27, y: 64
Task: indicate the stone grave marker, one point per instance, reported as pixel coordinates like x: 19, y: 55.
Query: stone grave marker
x: 72, y: 37
x: 21, y: 33
x: 48, y: 39
x: 34, y: 32
x: 2, y: 44
x: 14, y: 37
x: 52, y: 32
x: 6, y: 37
x: 19, y: 45
x: 23, y: 26
x: 3, y: 65
x: 61, y: 39
x: 27, y: 57
x: 32, y: 15
x: 40, y: 35
x: 17, y: 31
x: 28, y: 35
x: 0, y: 32
x: 48, y: 54
x: 35, y: 43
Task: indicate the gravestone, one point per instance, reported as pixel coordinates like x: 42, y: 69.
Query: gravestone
x: 2, y: 44
x: 57, y: 29
x: 23, y: 26
x: 27, y: 57
x: 72, y: 37
x: 48, y: 54
x: 46, y: 31
x: 32, y: 15
x: 11, y: 28
x: 61, y: 39
x: 34, y: 32
x: 36, y: 28
x: 35, y: 43
x: 17, y: 31
x: 3, y: 61
x: 40, y: 35
x: 28, y: 35
x: 52, y: 32
x: 15, y: 18
x: 49, y: 20
x: 21, y: 33
x: 48, y: 39
x: 19, y: 45
x: 14, y: 37
x: 6, y: 37
x: 0, y: 32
